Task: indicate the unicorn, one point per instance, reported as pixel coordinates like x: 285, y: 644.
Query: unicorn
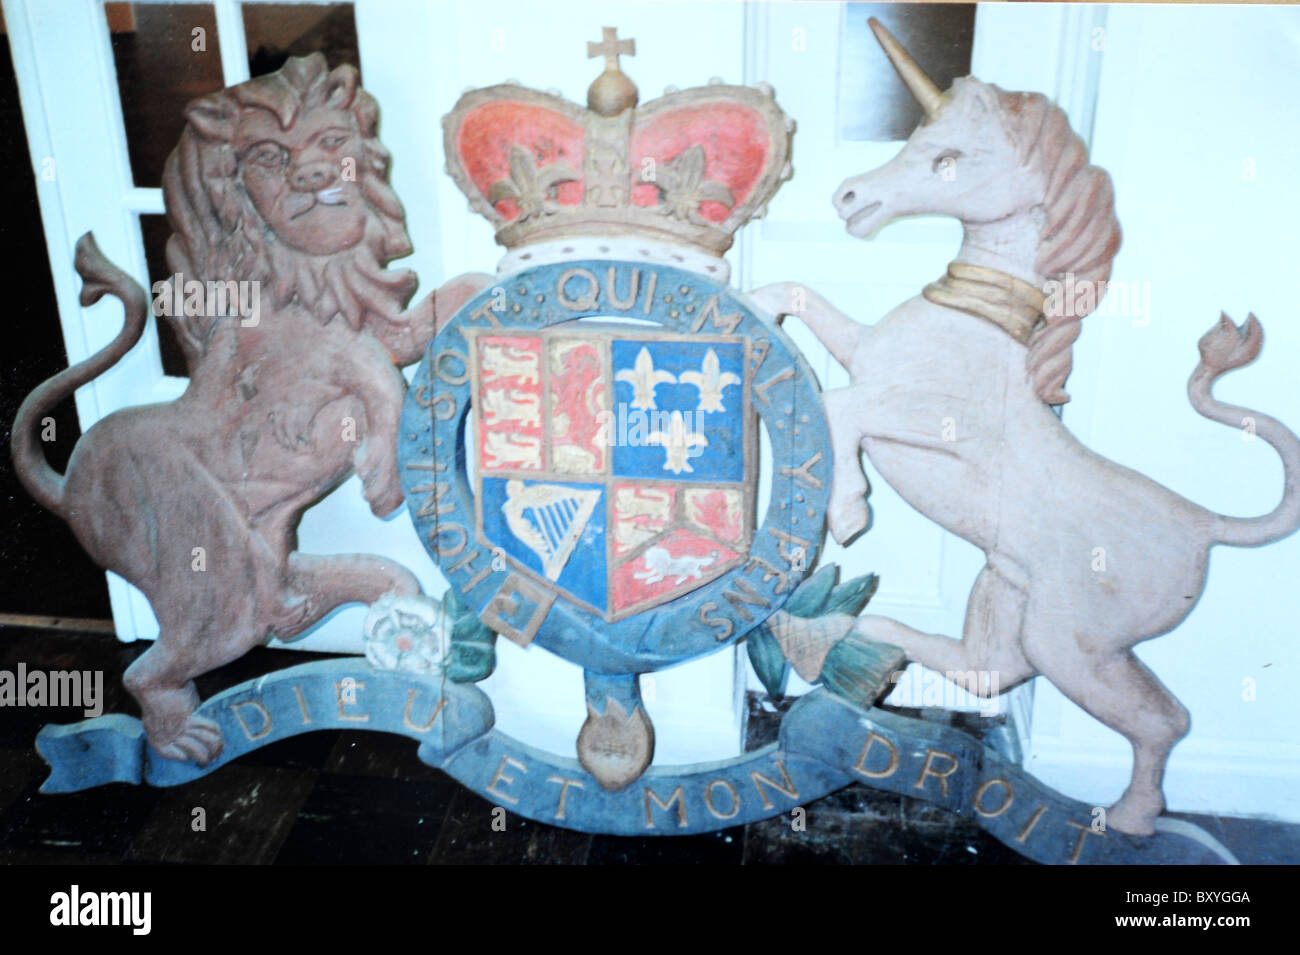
x: 952, y: 396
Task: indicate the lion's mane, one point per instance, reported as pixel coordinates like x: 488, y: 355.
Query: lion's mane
x: 218, y: 235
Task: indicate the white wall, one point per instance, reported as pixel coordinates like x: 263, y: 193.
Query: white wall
x: 1191, y: 98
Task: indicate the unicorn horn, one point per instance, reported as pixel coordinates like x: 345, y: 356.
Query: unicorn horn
x: 918, y: 84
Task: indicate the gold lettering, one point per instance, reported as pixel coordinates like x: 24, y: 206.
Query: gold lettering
x: 1084, y: 833
x: 731, y: 793
x: 803, y: 475
x: 1029, y: 826
x: 747, y: 595
x: 611, y: 295
x: 302, y: 705
x: 441, y: 371
x: 928, y: 769
x: 356, y: 686
x: 505, y: 603
x: 266, y: 718
x: 564, y: 792
x: 678, y: 797
x: 860, y: 766
x: 435, y: 538
x: 760, y: 391
x: 650, y: 293
x: 406, y: 715
x: 485, y: 311
x: 584, y: 303
x: 1006, y: 803
x: 442, y: 401
x: 793, y: 549
x: 723, y: 625
x: 433, y: 504
x: 467, y: 563
x: 788, y: 789
x: 501, y: 777
x: 782, y: 579
x: 711, y: 312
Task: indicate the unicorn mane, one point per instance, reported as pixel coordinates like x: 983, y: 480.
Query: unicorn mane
x: 1080, y: 234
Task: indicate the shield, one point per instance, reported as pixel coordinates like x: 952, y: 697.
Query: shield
x: 613, y: 462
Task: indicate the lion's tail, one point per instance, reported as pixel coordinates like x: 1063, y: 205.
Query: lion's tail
x: 1224, y: 347
x: 99, y: 277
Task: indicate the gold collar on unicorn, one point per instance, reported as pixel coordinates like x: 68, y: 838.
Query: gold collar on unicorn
x: 78, y: 689
x: 1011, y: 304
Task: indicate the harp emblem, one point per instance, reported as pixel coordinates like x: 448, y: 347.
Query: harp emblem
x: 549, y: 520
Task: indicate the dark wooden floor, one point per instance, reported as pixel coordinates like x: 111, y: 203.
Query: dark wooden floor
x: 336, y: 797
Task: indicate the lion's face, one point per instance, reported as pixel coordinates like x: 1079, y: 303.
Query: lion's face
x: 303, y: 180
x: 283, y: 180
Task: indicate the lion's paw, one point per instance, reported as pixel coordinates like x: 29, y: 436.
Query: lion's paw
x: 379, y: 483
x: 384, y: 499
x: 293, y: 616
x: 200, y: 742
x: 291, y: 427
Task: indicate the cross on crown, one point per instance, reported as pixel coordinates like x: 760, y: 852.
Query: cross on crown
x: 612, y: 92
x: 611, y: 47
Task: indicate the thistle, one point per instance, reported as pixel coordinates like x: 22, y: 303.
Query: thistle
x: 814, y: 634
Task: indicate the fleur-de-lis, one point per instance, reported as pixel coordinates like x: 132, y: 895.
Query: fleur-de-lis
x: 644, y: 378
x: 531, y: 185
x: 682, y: 186
x: 680, y: 442
x: 711, y: 381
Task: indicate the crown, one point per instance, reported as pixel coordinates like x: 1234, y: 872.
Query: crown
x: 689, y: 168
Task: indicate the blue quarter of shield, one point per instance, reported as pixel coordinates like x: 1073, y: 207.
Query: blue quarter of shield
x: 678, y: 410
x: 556, y: 529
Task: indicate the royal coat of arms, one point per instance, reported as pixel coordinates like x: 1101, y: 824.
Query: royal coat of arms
x: 622, y: 480
x: 615, y: 456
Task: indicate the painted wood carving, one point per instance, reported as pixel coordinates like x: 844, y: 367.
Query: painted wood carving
x: 987, y: 348
x: 579, y: 453
x: 196, y: 502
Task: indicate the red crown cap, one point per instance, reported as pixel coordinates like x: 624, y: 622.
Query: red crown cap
x: 689, y: 168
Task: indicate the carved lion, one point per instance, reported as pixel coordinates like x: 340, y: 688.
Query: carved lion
x: 280, y: 182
